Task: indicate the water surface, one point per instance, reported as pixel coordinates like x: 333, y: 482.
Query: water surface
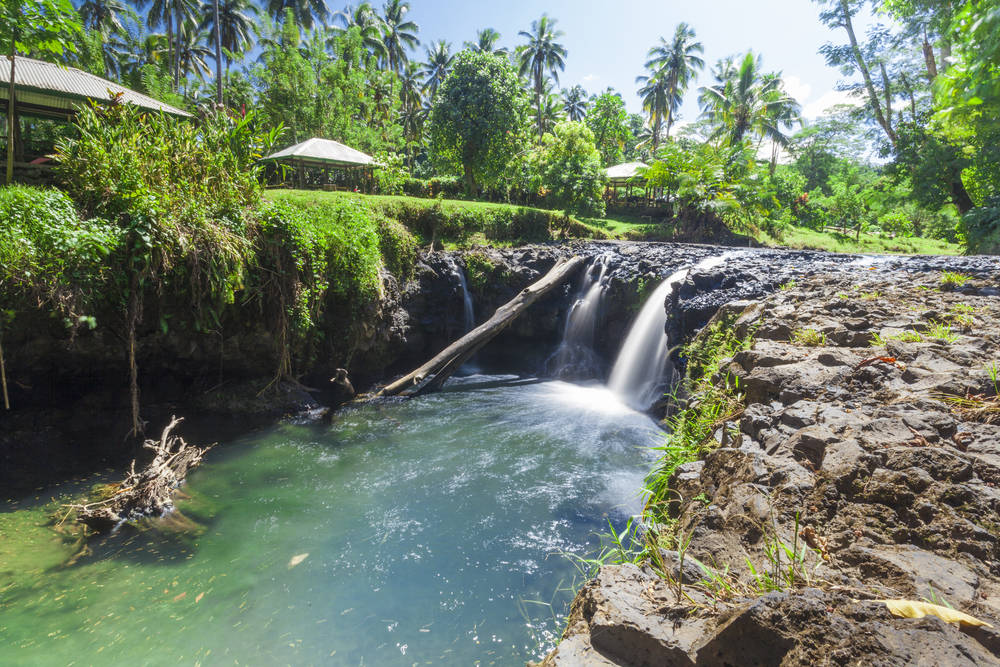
x: 433, y: 530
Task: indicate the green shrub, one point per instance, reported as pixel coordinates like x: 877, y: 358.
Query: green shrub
x: 398, y: 246
x: 46, y: 251
x: 982, y: 228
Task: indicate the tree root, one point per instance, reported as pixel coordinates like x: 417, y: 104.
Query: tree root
x: 148, y: 492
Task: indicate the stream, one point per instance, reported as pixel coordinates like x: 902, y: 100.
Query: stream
x: 425, y: 531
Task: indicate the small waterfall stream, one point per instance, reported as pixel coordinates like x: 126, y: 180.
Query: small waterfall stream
x: 468, y: 312
x: 575, y: 355
x: 642, y: 362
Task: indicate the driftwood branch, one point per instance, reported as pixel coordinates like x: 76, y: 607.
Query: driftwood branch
x: 452, y: 357
x: 148, y: 492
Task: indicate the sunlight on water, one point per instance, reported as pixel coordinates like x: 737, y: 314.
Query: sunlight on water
x: 421, y: 531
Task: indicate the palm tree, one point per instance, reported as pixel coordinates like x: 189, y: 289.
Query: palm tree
x: 236, y: 25
x: 192, y: 52
x: 655, y: 101
x: 398, y: 33
x: 105, y: 16
x: 575, y: 102
x: 437, y: 66
x: 369, y: 25
x: 678, y: 63
x: 486, y: 42
x: 171, y: 14
x: 305, y: 11
x: 550, y: 111
x: 411, y: 87
x: 750, y: 103
x: 540, y: 56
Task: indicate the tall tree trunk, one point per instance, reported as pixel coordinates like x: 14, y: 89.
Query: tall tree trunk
x: 177, y: 49
x: 865, y: 73
x: 170, y: 40
x: 218, y: 55
x: 960, y: 196
x: 909, y: 91
x: 928, y: 50
x: 11, y: 111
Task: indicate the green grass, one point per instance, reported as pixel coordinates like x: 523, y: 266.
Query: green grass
x: 952, y: 279
x: 803, y: 238
x: 808, y: 338
x: 455, y: 222
x: 526, y: 224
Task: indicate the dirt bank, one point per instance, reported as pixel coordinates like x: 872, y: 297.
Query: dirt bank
x: 871, y: 436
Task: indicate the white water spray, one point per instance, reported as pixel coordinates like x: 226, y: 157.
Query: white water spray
x: 642, y: 362
x: 575, y: 354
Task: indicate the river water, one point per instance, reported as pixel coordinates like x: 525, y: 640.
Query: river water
x: 422, y: 531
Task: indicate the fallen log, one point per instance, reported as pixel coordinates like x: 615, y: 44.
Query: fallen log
x: 452, y: 357
x: 148, y: 492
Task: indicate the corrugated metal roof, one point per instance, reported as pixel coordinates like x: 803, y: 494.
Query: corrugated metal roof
x: 323, y: 150
x: 625, y: 171
x: 62, y: 87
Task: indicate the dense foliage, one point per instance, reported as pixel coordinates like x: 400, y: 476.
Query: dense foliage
x: 569, y: 168
x: 474, y: 124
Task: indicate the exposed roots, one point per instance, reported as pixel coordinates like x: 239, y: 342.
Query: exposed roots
x: 148, y: 492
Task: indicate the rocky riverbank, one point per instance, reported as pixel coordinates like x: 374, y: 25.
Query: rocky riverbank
x: 870, y: 438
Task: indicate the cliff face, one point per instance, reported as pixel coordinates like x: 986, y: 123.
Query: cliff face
x: 870, y: 439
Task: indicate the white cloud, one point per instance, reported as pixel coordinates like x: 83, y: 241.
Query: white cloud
x: 831, y: 98
x: 815, y: 106
x: 590, y: 77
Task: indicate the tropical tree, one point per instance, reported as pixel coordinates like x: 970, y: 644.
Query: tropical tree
x: 306, y: 12
x: 192, y: 52
x: 411, y: 86
x: 655, y: 102
x: 439, y: 60
x: 575, y: 102
x: 677, y: 61
x: 569, y: 168
x: 368, y: 24
x: 608, y: 121
x: 105, y: 16
x: 398, y: 33
x: 236, y: 25
x: 476, y: 120
x: 551, y: 110
x: 750, y: 104
x: 541, y: 56
x: 486, y: 42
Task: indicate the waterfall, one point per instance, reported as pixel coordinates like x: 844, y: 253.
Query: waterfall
x: 575, y: 355
x: 642, y: 362
x: 468, y: 313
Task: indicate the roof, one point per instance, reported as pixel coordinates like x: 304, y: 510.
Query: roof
x: 323, y: 151
x: 55, y: 90
x: 625, y: 171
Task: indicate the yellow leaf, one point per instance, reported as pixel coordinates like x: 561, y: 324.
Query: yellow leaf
x: 914, y: 609
x: 296, y: 560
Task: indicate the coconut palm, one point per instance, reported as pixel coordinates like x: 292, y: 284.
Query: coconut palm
x: 655, y: 101
x: 436, y: 68
x: 486, y: 42
x: 305, y: 11
x: 411, y: 87
x: 106, y: 16
x: 541, y: 56
x: 171, y: 14
x: 575, y: 102
x: 550, y: 111
x: 749, y: 104
x: 398, y: 33
x: 369, y: 24
x: 192, y: 52
x: 236, y: 25
x: 677, y: 61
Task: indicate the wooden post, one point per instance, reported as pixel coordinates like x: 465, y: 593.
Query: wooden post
x: 11, y: 111
x: 448, y: 360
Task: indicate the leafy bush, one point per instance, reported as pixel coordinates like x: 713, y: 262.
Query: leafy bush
x: 982, y: 228
x: 448, y: 186
x: 390, y: 175
x: 416, y: 187
x: 569, y: 168
x: 896, y: 222
x: 47, y: 253
x: 398, y: 246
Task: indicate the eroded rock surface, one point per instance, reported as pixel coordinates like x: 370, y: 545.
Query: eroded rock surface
x: 849, y: 434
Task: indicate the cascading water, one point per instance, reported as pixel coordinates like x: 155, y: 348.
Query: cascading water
x: 576, y: 355
x: 468, y: 313
x: 638, y: 372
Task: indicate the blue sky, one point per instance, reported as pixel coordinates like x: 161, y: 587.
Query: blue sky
x: 608, y: 41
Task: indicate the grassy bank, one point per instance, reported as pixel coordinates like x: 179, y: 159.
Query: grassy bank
x: 453, y: 222
x: 461, y: 223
